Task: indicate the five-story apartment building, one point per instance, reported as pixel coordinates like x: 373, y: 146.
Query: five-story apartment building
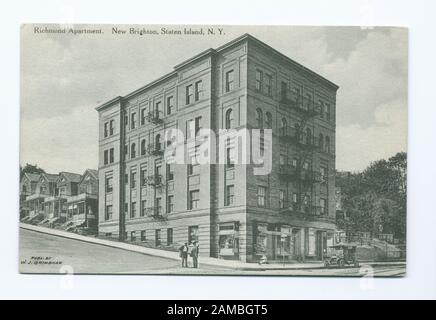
x: 234, y: 213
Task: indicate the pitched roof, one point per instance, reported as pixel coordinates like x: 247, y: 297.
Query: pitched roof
x: 92, y: 172
x: 34, y: 177
x: 72, y: 177
x: 50, y: 177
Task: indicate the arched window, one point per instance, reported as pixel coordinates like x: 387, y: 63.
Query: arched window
x: 259, y: 118
x: 321, y: 141
x: 308, y: 136
x: 143, y: 147
x: 133, y: 151
x: 229, y: 119
x: 268, y: 120
x: 158, y: 145
x: 284, y: 126
x: 327, y: 144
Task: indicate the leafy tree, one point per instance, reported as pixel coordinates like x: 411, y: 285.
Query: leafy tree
x: 375, y: 200
x: 30, y: 168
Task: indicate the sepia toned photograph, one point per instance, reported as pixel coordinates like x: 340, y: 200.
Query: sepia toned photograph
x: 213, y: 150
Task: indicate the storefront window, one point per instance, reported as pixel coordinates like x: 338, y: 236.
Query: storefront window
x: 228, y: 239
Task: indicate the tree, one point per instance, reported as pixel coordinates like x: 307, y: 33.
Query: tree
x: 30, y: 168
x: 375, y: 200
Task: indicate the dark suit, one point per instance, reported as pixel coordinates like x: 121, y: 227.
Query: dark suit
x: 194, y: 255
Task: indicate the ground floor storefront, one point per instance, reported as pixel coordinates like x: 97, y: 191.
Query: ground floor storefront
x: 234, y: 237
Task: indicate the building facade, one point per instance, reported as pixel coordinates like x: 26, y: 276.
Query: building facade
x: 60, y: 198
x: 232, y: 211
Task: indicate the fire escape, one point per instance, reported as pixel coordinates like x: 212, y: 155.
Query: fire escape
x: 301, y: 136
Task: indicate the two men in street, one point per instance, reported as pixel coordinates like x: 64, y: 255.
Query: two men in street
x: 192, y: 250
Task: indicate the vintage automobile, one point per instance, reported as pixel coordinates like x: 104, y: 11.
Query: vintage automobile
x: 345, y: 254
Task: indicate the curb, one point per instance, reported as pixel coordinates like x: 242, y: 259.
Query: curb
x: 174, y: 256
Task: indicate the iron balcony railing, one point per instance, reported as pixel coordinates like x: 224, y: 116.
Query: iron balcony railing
x: 289, y: 172
x: 155, y: 149
x: 155, y: 212
x: 155, y: 180
x: 154, y: 117
x: 303, y: 105
x: 306, y: 209
x: 302, y: 139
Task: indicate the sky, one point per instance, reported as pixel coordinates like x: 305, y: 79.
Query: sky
x: 64, y: 77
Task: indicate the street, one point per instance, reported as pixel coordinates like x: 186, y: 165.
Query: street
x: 44, y: 253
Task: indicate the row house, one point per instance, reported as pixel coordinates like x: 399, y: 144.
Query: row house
x: 63, y: 197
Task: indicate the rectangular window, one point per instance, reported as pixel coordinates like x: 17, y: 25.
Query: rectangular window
x: 308, y: 101
x: 230, y: 157
x: 126, y: 208
x: 193, y: 169
x: 143, y: 236
x: 230, y: 194
x: 282, y: 159
x: 106, y: 157
x: 133, y: 236
x: 143, y: 177
x: 111, y: 127
x: 143, y: 208
x: 111, y: 155
x: 259, y: 80
x: 170, y: 105
x: 323, y: 206
x: 229, y: 80
x: 327, y: 111
x: 133, y: 210
x: 126, y: 178
x: 261, y: 196
x: 158, y: 204
x: 133, y: 180
x: 169, y: 236
x: 198, y: 90
x: 323, y: 172
x: 194, y: 199
x: 158, y: 239
x: 109, y: 184
x: 189, y: 124
x: 321, y: 109
x: 157, y: 109
x: 133, y: 119
x: 106, y: 129
x: 126, y: 121
x: 281, y: 199
x: 294, y: 198
x: 284, y: 91
x: 170, y: 172
x: 189, y: 94
x: 170, y: 204
x: 268, y: 84
x: 108, y: 213
x: 126, y: 151
x: 143, y: 116
x: 197, y: 125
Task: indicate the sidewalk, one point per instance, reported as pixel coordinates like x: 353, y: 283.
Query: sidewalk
x: 231, y: 264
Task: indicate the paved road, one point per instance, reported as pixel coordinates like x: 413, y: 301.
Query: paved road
x: 56, y: 254
x: 85, y: 257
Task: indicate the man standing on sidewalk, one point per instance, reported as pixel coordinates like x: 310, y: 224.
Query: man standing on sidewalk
x: 194, y: 254
x: 184, y: 255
